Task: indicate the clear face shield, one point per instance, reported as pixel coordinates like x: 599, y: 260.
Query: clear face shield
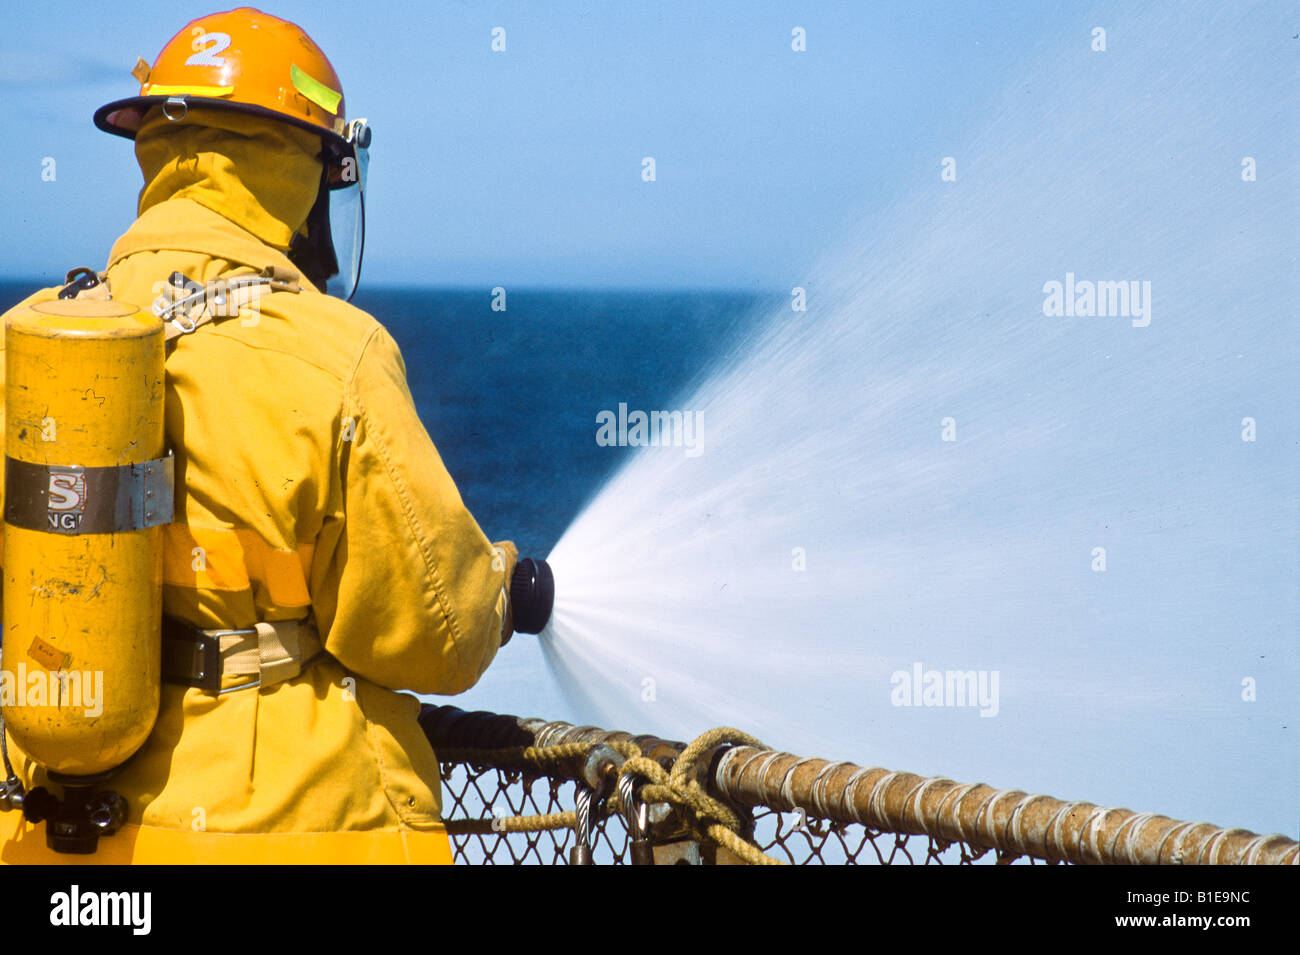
x: 347, y: 210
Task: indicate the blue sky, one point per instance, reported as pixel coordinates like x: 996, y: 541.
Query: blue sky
x: 523, y: 167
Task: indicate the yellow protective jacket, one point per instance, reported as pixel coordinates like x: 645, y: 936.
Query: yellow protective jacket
x: 306, y: 486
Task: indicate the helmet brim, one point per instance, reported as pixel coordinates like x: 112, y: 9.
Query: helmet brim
x: 124, y: 117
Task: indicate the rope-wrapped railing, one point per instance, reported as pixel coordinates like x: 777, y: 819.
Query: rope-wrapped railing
x: 829, y: 797
x: 1010, y: 821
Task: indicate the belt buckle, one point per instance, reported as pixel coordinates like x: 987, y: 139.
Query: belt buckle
x: 191, y: 656
x: 215, y: 636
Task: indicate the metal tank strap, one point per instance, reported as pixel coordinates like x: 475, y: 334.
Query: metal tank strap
x: 185, y: 304
x: 85, y: 283
x: 270, y: 651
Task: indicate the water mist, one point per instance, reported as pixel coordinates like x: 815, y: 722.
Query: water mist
x: 1035, y: 429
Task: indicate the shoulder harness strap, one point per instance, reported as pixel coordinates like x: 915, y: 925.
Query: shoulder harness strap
x: 185, y: 304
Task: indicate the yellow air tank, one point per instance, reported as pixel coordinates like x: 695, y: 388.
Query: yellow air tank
x: 87, y: 488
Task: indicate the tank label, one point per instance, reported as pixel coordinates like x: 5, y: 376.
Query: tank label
x: 48, y: 655
x: 66, y: 500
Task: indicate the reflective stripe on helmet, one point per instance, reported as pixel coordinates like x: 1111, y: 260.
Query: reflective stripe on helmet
x: 160, y: 90
x: 315, y: 90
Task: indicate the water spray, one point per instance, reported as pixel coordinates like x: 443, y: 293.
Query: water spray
x: 946, y: 521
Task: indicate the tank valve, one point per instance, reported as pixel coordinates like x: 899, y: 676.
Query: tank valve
x: 74, y: 823
x: 532, y: 595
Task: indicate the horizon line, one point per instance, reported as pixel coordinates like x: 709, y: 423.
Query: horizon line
x: 37, y: 282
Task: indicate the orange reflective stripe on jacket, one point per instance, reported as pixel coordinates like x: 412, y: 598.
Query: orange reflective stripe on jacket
x: 220, y: 558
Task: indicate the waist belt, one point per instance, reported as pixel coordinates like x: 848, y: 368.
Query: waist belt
x: 272, y: 652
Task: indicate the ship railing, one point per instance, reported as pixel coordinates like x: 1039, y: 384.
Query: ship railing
x: 519, y: 791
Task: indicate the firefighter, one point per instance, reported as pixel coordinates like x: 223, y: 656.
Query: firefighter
x: 320, y: 558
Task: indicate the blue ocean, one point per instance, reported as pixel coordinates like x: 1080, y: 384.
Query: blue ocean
x: 510, y: 398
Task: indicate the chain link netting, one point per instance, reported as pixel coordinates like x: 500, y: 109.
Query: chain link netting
x: 484, y: 792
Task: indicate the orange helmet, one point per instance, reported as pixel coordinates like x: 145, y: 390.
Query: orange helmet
x: 242, y: 60
x: 251, y: 62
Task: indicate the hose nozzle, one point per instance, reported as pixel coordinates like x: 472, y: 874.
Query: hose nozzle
x: 532, y: 595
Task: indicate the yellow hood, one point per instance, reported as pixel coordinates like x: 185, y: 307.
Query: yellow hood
x: 259, y: 174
